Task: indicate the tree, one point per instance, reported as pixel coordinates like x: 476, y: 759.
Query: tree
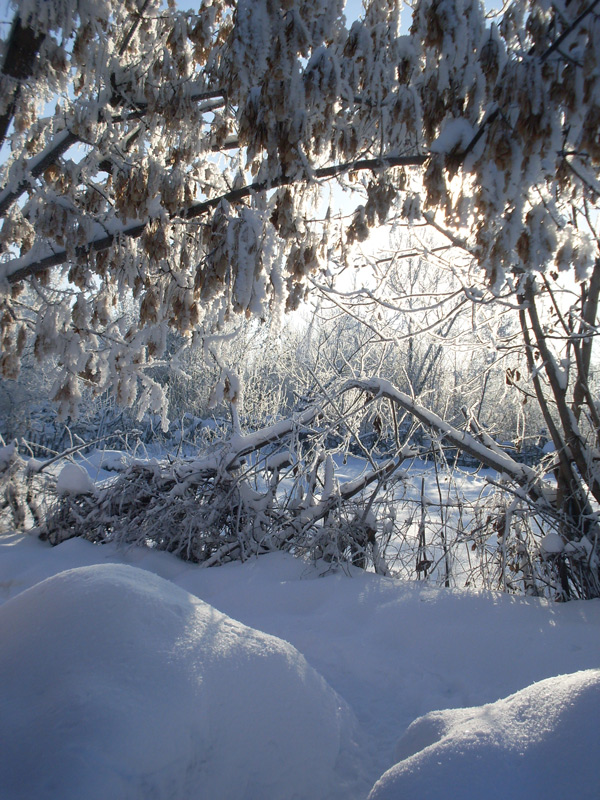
x: 188, y: 164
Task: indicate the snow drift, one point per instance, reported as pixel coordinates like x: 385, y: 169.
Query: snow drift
x: 116, y: 683
x: 540, y: 742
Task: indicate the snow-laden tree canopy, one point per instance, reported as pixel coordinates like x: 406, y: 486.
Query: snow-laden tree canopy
x: 170, y: 169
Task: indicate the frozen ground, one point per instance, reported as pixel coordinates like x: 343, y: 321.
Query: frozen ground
x: 154, y: 678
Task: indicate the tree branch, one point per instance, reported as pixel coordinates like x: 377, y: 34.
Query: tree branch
x: 567, y: 418
x: 65, y: 139
x: 21, y: 52
x: 20, y: 268
x: 583, y: 348
x: 501, y: 462
x: 556, y: 44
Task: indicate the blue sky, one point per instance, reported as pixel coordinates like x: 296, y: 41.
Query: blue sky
x: 354, y: 9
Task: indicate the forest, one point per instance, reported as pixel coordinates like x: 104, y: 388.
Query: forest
x: 308, y: 294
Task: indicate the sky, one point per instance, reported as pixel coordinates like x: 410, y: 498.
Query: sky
x: 354, y: 9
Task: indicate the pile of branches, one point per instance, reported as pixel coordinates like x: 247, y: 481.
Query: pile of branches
x: 278, y: 488
x: 274, y: 489
x: 198, y: 517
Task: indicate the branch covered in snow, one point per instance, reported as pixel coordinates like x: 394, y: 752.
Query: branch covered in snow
x: 183, y: 171
x: 490, y: 457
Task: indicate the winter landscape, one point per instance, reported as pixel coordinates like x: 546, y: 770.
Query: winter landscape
x: 299, y: 400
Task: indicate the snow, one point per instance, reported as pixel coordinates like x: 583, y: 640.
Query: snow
x: 108, y: 460
x: 129, y: 673
x: 455, y: 135
x: 73, y: 479
x: 541, y: 741
x: 552, y: 543
x: 279, y: 460
x: 145, y: 691
x: 7, y: 453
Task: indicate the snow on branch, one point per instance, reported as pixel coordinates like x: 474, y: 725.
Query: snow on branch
x: 19, y: 269
x: 490, y: 457
x: 485, y: 128
x: 64, y: 139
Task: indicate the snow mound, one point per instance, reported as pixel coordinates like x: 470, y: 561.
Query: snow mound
x: 109, y: 460
x: 541, y: 742
x: 114, y: 683
x: 74, y: 480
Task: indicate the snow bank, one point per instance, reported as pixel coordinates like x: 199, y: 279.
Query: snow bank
x: 393, y: 651
x: 541, y: 742
x: 114, y: 683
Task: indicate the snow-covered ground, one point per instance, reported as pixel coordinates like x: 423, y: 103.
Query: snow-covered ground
x: 130, y: 674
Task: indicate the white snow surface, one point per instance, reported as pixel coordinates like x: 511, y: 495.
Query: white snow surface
x: 73, y: 479
x: 540, y: 742
x: 108, y: 460
x: 117, y: 684
x: 552, y: 543
x: 131, y: 674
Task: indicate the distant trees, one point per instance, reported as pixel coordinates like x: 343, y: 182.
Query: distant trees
x: 187, y: 162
